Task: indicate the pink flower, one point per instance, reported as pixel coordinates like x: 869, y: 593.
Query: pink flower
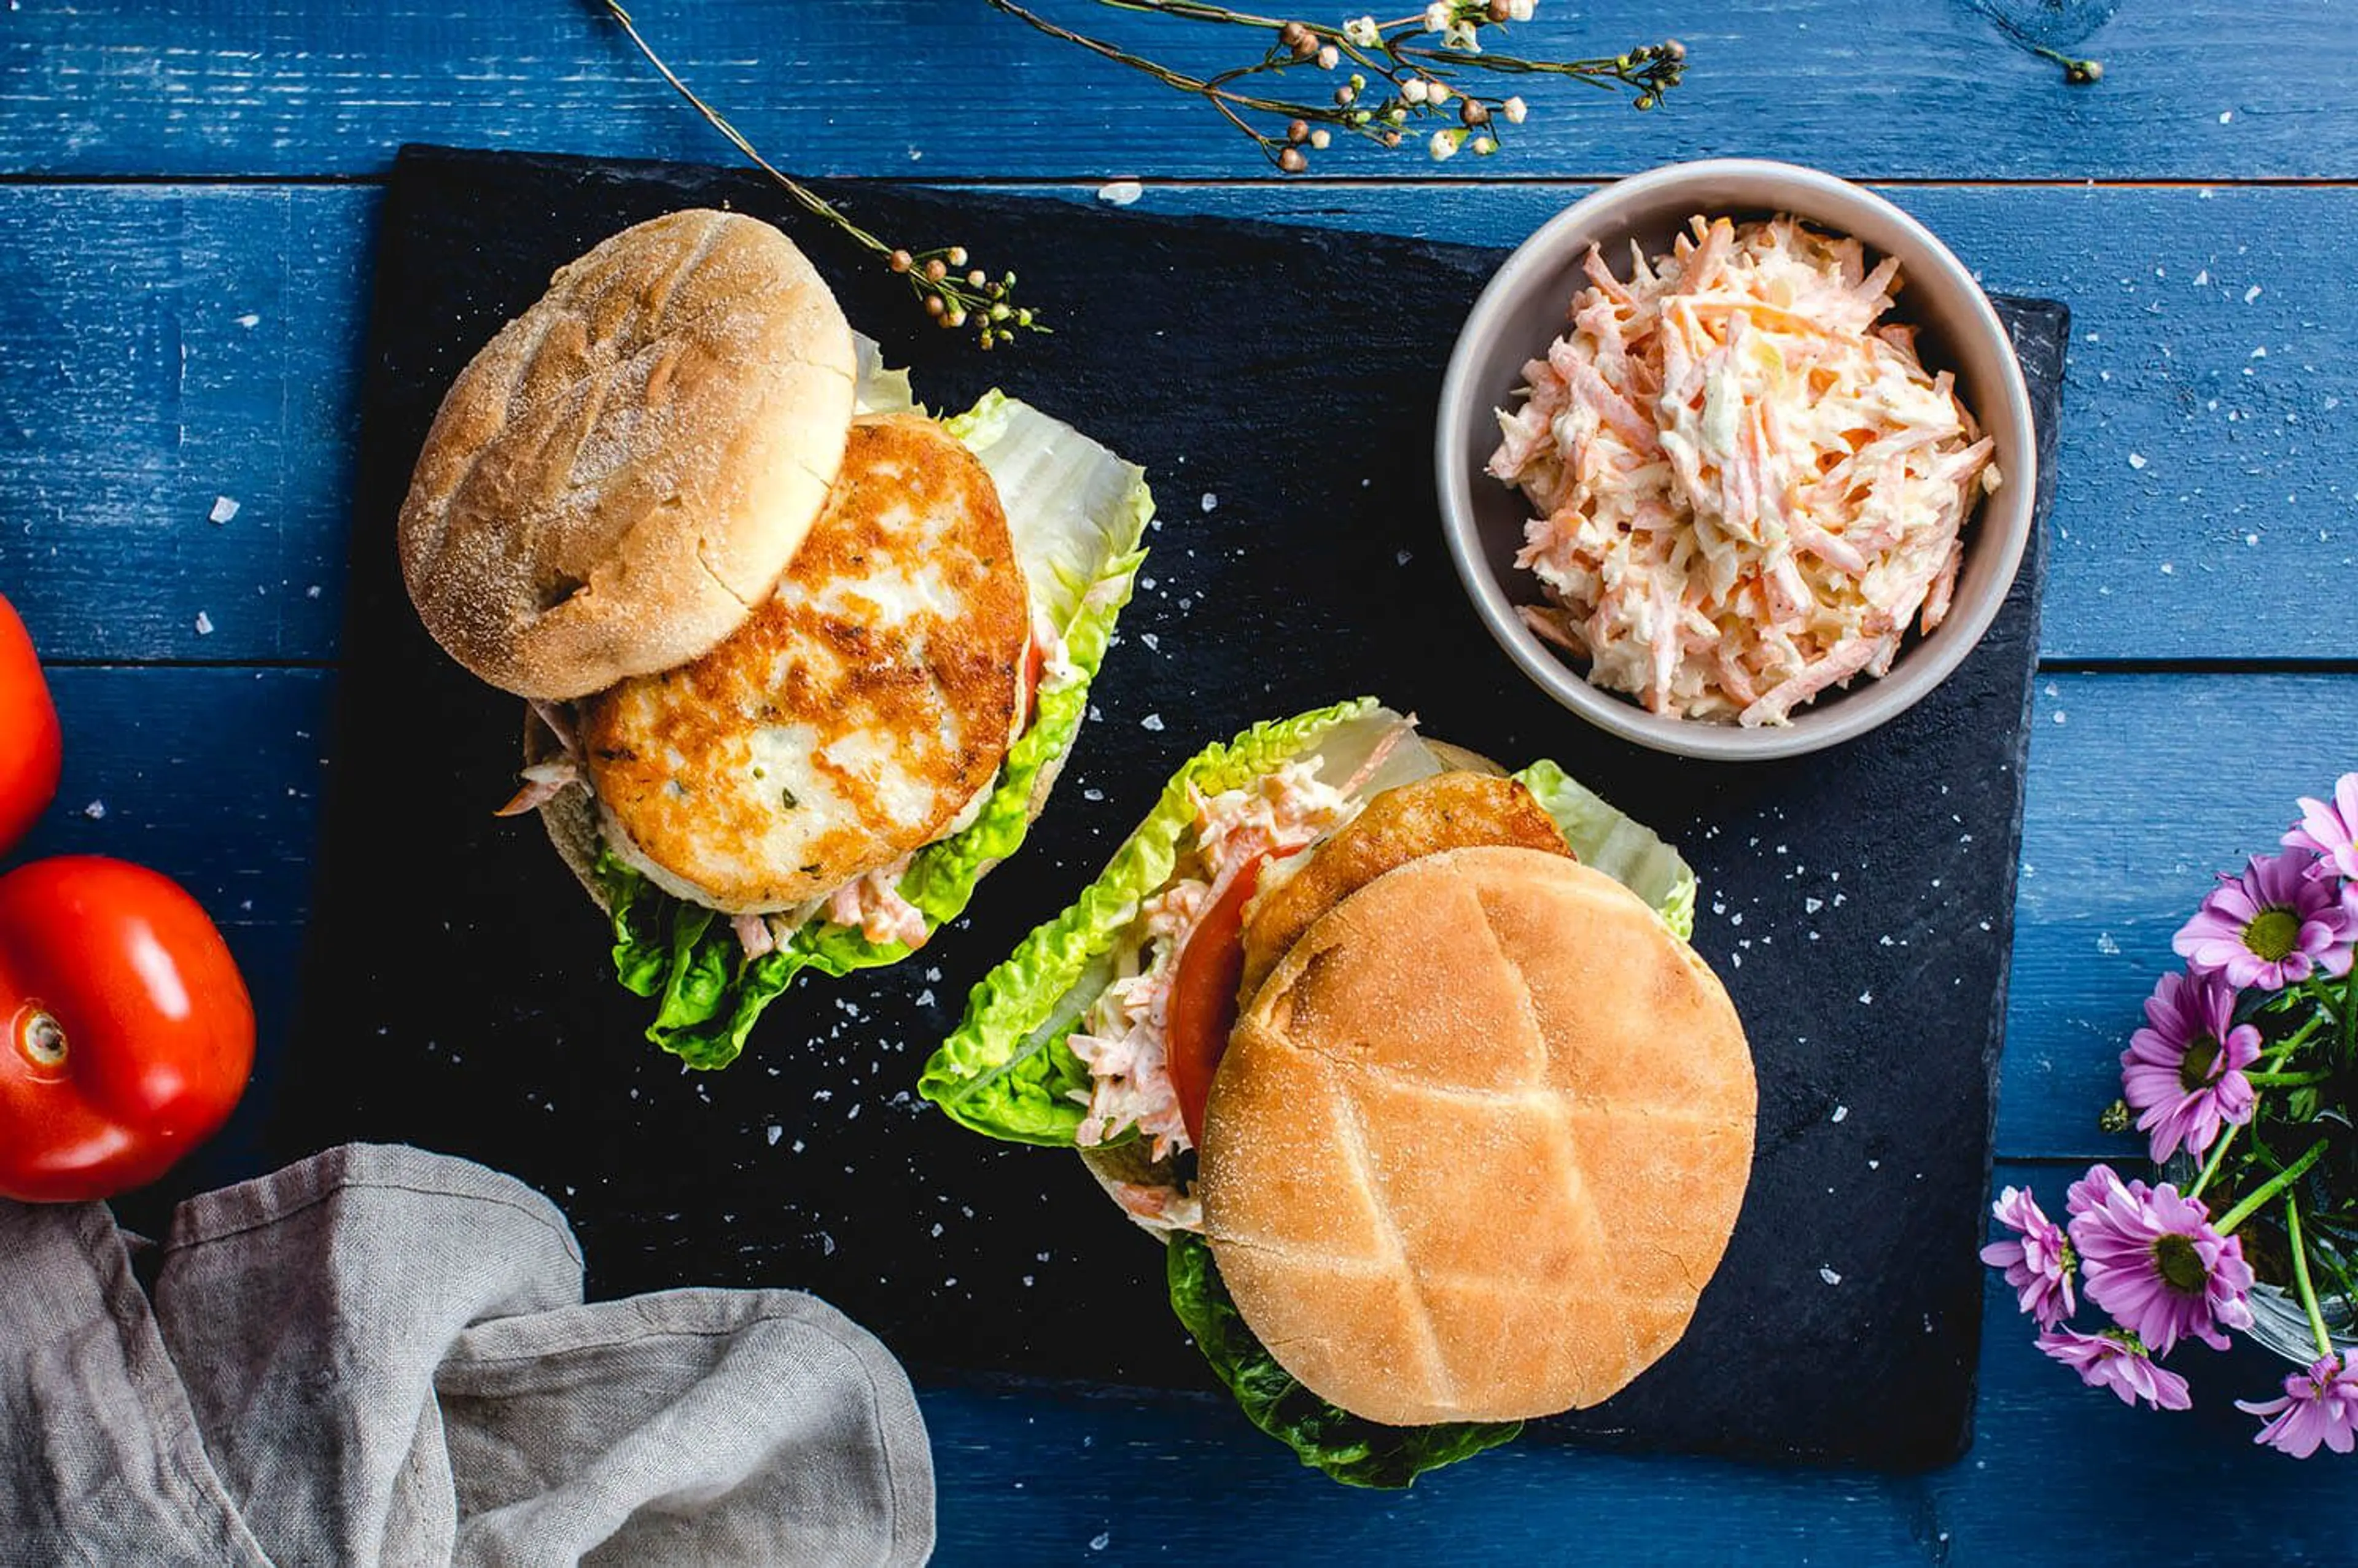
x: 2115, y: 1360
x: 2039, y: 1264
x: 2270, y: 928
x: 2184, y: 1070
x: 2149, y: 1258
x: 2320, y: 1405
x: 2331, y: 831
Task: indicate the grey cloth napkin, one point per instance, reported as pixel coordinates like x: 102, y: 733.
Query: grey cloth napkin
x: 381, y: 1355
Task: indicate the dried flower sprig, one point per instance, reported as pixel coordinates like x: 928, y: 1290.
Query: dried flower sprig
x: 1403, y: 75
x: 955, y: 294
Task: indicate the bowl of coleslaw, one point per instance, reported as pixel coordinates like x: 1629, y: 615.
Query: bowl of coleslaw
x: 1735, y: 459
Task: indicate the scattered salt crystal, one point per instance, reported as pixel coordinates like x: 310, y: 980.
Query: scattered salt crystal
x: 1210, y: 501
x: 1829, y: 1276
x: 2136, y: 459
x: 798, y: 1145
x: 2202, y: 278
x: 1866, y: 999
x: 1154, y: 643
x: 1842, y: 1113
x: 2226, y: 115
x: 2168, y: 571
x: 204, y: 624
x: 312, y: 591
x: 1100, y: 1541
x: 774, y: 1132
x: 249, y: 321
x: 1151, y: 722
x: 95, y: 811
x: 1875, y: 1164
x: 925, y: 997
x: 2106, y: 946
x: 223, y: 509
x: 2059, y: 716
x: 1092, y: 793
x: 1405, y: 558
x: 1120, y: 192
x: 2251, y: 294
x: 1811, y: 905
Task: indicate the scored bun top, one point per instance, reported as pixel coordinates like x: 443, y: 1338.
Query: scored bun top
x: 619, y: 477
x: 1480, y: 1142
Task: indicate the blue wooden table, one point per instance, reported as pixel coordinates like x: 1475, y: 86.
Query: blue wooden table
x: 187, y: 196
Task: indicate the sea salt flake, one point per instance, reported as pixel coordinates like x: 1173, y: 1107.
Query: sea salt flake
x: 1829, y: 1276
x: 1842, y: 1113
x: 2226, y: 115
x: 1811, y: 905
x: 1100, y: 1541
x: 204, y: 624
x: 1211, y: 502
x: 774, y: 1132
x: 1120, y: 192
x: 2251, y: 294
x: 1866, y: 999
x: 95, y: 811
x: 224, y: 508
x: 2106, y: 946
x: 2136, y: 459
x: 1151, y: 722
x: 2202, y: 278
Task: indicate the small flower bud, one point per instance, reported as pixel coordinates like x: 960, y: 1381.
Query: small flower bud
x: 2080, y: 72
x: 1498, y: 9
x: 1413, y: 90
x: 1645, y: 101
x: 1344, y: 95
x: 1514, y: 109
x: 1297, y: 132
x: 903, y: 260
x: 934, y: 306
x: 958, y: 255
x: 1472, y: 112
x: 1329, y: 57
x: 2115, y: 1117
x: 977, y: 278
x: 1398, y: 117
x: 1484, y: 146
x: 1000, y: 312
x: 1362, y: 33
x: 1024, y: 318
x: 1292, y: 34
x: 1390, y: 139
x: 956, y: 317
x: 1319, y: 138
x: 1672, y: 50
x: 1292, y: 161
x: 936, y: 270
x: 1436, y: 93
x: 1443, y: 144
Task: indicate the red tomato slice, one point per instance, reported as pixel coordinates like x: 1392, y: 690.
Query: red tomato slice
x: 1202, y: 1011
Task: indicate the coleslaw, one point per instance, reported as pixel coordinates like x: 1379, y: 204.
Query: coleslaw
x: 1746, y: 488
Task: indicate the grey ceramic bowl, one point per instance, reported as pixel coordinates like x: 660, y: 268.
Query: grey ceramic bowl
x: 1523, y: 310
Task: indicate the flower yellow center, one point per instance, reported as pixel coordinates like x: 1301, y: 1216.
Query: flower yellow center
x: 2181, y: 1267
x: 2194, y: 1067
x: 2272, y: 934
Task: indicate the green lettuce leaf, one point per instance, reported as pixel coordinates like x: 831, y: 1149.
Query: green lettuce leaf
x: 1353, y: 1451
x: 1007, y: 1072
x: 1077, y: 515
x: 1626, y: 851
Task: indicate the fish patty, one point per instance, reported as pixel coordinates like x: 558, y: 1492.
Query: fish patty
x: 863, y: 707
x: 1453, y: 810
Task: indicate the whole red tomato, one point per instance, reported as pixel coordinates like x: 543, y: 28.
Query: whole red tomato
x: 129, y: 1036
x: 30, y: 747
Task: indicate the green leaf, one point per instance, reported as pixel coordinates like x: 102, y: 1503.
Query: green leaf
x: 1625, y: 849
x: 1353, y: 1451
x: 1007, y: 1073
x: 1076, y: 514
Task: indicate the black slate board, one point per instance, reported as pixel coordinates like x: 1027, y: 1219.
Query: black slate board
x: 1858, y: 902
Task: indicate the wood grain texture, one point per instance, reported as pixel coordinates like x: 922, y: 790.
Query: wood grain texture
x: 948, y: 88
x: 174, y: 357
x: 2205, y: 510
x: 2139, y: 786
x: 2057, y: 1473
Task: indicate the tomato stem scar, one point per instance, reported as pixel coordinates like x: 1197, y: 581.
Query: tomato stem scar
x: 41, y: 1037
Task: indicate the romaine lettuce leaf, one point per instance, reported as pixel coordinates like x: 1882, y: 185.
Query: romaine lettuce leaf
x: 1626, y: 851
x: 1353, y: 1451
x: 1077, y: 513
x: 1007, y: 1072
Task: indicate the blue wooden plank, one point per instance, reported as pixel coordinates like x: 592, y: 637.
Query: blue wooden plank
x: 2141, y: 786
x: 182, y: 397
x: 2185, y: 530
x: 2196, y: 89
x: 2057, y: 1474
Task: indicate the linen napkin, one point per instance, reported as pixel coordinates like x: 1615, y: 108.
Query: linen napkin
x: 381, y: 1355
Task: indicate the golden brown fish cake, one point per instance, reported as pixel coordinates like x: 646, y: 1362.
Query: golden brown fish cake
x: 1447, y: 811
x: 854, y: 716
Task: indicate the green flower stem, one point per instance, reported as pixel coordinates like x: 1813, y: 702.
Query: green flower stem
x: 2274, y: 1184
x: 2295, y: 1040
x: 2285, y: 1080
x: 2218, y: 1158
x: 2301, y: 1277
x: 2349, y: 1015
